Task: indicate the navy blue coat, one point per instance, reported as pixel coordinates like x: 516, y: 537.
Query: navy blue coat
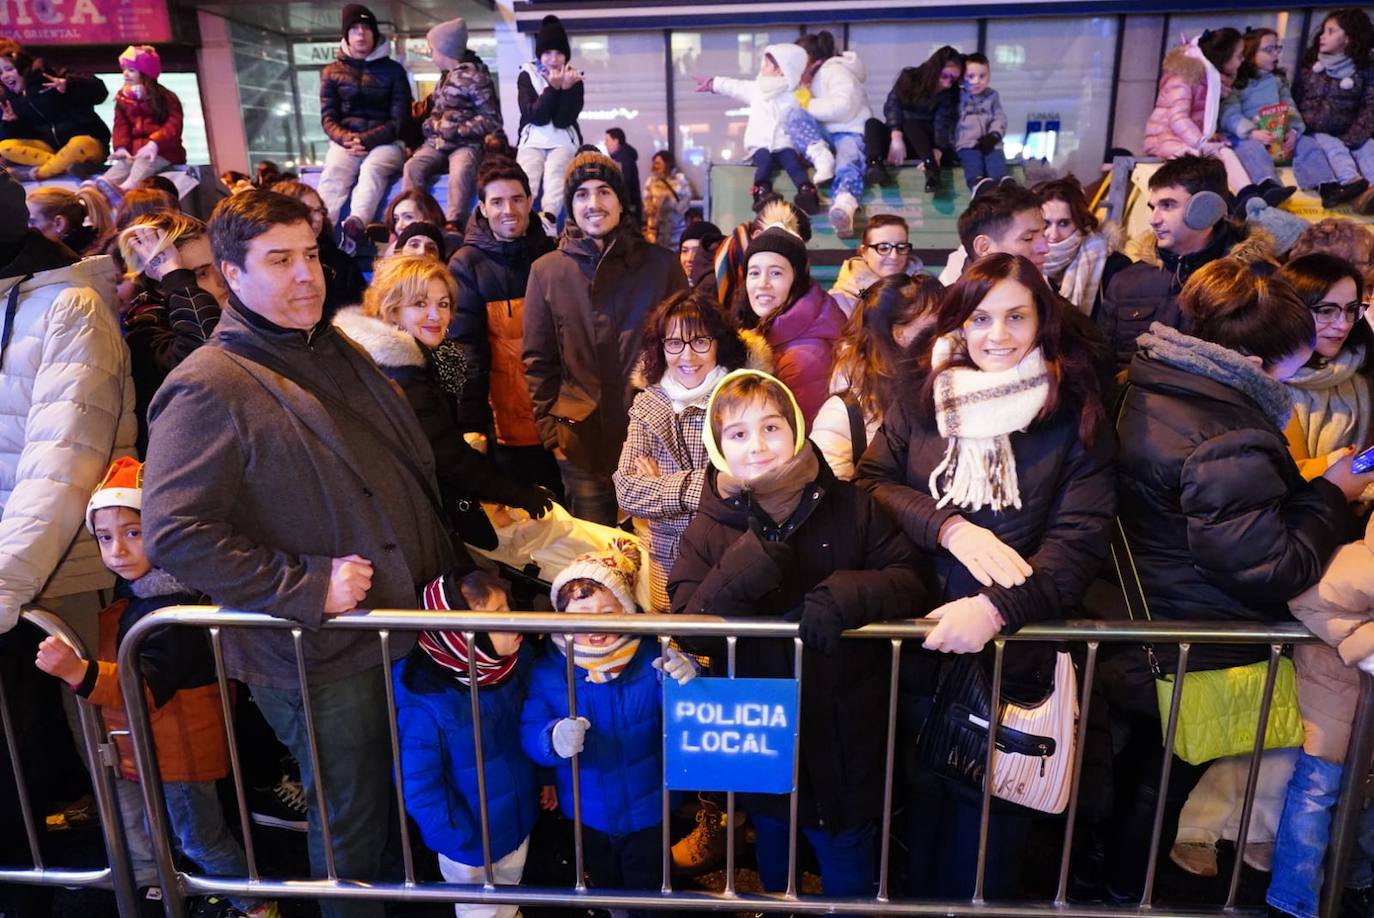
x: 439, y: 765
x: 621, y: 765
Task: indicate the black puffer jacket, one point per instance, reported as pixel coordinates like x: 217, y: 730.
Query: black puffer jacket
x: 1062, y: 528
x: 584, y: 320
x: 56, y: 117
x: 1221, y: 524
x: 844, y: 544
x: 940, y: 111
x: 369, y: 98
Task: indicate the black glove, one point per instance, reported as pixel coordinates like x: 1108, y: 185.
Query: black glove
x: 988, y: 142
x: 536, y: 500
x: 820, y: 624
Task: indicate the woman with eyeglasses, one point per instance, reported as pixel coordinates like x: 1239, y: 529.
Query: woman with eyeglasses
x: 1333, y: 393
x: 885, y: 251
x: 690, y: 343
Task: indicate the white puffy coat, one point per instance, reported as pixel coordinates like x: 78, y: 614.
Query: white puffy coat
x: 838, y: 98
x: 771, y: 99
x: 66, y: 410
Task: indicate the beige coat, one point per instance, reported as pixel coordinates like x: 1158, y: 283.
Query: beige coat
x: 1339, y: 609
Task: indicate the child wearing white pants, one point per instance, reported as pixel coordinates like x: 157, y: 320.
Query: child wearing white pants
x: 504, y: 872
x: 550, y: 93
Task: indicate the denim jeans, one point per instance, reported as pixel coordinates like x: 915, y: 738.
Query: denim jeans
x: 848, y: 859
x: 849, y: 164
x: 1321, y: 158
x: 1255, y: 157
x: 355, y: 763
x: 590, y: 496
x: 767, y: 163
x: 979, y: 165
x: 461, y: 164
x: 358, y: 181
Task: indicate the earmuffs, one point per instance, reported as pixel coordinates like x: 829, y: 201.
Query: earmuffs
x: 1204, y: 210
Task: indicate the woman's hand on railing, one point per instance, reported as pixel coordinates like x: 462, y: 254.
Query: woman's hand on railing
x: 964, y: 625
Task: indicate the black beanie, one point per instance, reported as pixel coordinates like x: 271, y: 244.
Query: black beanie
x: 551, y: 37
x: 14, y: 209
x: 421, y: 228
x: 356, y: 13
x: 781, y: 242
x: 593, y: 165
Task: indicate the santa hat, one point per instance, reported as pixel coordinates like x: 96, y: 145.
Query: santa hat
x: 615, y: 570
x: 142, y: 58
x: 122, y: 486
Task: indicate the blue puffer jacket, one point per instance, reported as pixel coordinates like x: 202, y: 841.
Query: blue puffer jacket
x: 622, y: 762
x: 439, y: 769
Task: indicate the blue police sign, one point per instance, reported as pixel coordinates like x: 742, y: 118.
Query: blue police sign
x: 730, y: 734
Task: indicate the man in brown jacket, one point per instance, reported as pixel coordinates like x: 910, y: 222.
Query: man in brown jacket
x: 286, y: 475
x: 584, y: 330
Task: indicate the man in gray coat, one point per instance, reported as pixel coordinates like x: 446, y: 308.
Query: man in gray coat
x: 287, y: 475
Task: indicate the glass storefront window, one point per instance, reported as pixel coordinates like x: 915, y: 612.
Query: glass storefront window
x: 1287, y: 24
x: 623, y: 87
x: 886, y: 48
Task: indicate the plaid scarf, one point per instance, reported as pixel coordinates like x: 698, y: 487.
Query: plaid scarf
x: 450, y: 650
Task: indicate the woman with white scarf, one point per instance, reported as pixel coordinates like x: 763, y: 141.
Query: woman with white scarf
x: 1083, y: 256
x: 1333, y: 393
x: 996, y: 461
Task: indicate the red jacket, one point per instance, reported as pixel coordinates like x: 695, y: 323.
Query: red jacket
x: 134, y: 126
x: 803, y: 341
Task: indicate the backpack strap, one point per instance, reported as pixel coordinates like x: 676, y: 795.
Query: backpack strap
x: 858, y: 431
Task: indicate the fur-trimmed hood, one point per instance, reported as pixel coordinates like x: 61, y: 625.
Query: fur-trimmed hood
x: 1251, y: 244
x: 759, y: 356
x: 386, y: 344
x: 1181, y: 64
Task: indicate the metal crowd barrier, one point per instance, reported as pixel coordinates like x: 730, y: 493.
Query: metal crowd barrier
x: 178, y: 885
x: 103, y: 761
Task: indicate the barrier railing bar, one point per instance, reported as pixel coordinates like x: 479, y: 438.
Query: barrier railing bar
x: 1350, y: 803
x: 580, y: 881
x: 407, y: 856
x: 731, y: 649
x: 235, y: 765
x: 999, y: 648
x: 889, y: 770
x: 794, y: 797
x: 1252, y: 778
x: 483, y: 814
x: 1075, y: 778
x: 21, y: 785
x: 1166, y: 769
x: 308, y: 710
x: 665, y: 812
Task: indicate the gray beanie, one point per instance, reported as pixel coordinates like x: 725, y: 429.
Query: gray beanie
x: 447, y: 42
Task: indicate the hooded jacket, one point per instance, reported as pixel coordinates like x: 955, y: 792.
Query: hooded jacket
x: 584, y: 316
x: 463, y: 108
x: 939, y: 112
x: 978, y: 115
x: 180, y: 685
x: 369, y: 97
x: 488, y: 320
x: 56, y: 117
x: 1339, y: 609
x: 548, y: 116
x: 803, y: 341
x: 1147, y: 291
x: 1326, y: 108
x: 439, y: 766
x: 856, y: 276
x: 1240, y: 109
x: 1220, y: 522
x: 135, y: 125
x: 66, y: 411
x: 843, y: 545
x: 1176, y: 126
x: 838, y: 99
x: 770, y: 99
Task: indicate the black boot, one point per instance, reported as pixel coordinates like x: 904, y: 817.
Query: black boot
x: 1334, y: 195
x: 1245, y: 194
x: 760, y: 191
x: 1275, y: 194
x: 808, y: 200
x: 877, y: 174
x: 932, y: 176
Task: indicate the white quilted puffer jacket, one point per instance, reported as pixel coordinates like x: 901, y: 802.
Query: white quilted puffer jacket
x: 66, y: 410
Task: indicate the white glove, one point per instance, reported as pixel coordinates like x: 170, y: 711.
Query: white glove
x: 1366, y: 665
x: 119, y: 154
x: 676, y: 666
x: 987, y: 557
x: 569, y: 735
x: 148, y: 151
x: 965, y: 625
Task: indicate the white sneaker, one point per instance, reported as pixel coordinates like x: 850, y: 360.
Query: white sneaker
x: 842, y: 214
x: 823, y: 159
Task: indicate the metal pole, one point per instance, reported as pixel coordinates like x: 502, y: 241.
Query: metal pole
x: 235, y: 766
x: 985, y: 816
x: 488, y: 875
x: 666, y: 810
x: 407, y: 856
x: 1089, y: 672
x: 581, y: 882
x: 796, y: 779
x: 731, y: 648
x: 308, y: 709
x: 1252, y: 779
x: 1170, y: 734
x: 1349, y: 809
x: 889, y: 770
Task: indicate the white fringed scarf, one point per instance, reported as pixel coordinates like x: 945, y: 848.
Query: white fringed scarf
x: 976, y: 411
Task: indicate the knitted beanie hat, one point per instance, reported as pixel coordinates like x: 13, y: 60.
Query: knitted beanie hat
x: 781, y: 242
x: 615, y: 569
x: 14, y: 208
x: 551, y: 37
x: 356, y: 13
x: 142, y: 58
x: 447, y: 42
x: 122, y: 486
x: 1283, y: 226
x: 705, y: 232
x: 421, y: 228
x: 588, y: 166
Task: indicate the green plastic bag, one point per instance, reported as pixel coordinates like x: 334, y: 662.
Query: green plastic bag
x: 1220, y: 711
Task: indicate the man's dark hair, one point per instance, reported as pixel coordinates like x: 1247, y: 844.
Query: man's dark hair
x: 240, y: 218
x: 1192, y: 174
x: 992, y: 212
x: 616, y: 134
x: 499, y: 169
x: 977, y: 57
x: 161, y: 183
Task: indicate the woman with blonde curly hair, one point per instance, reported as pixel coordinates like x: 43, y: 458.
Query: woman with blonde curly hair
x: 404, y: 317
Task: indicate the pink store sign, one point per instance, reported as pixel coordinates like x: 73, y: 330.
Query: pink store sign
x: 85, y: 22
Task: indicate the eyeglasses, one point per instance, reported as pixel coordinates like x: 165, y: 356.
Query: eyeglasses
x: 1328, y: 313
x: 700, y: 344
x: 1272, y: 49
x: 887, y: 248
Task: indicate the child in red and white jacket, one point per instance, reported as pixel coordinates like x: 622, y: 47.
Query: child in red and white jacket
x: 147, y: 121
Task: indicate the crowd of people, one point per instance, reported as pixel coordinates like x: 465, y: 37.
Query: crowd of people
x: 236, y: 413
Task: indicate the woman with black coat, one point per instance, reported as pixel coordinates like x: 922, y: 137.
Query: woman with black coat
x: 997, y: 463
x: 47, y: 116
x: 405, y: 314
